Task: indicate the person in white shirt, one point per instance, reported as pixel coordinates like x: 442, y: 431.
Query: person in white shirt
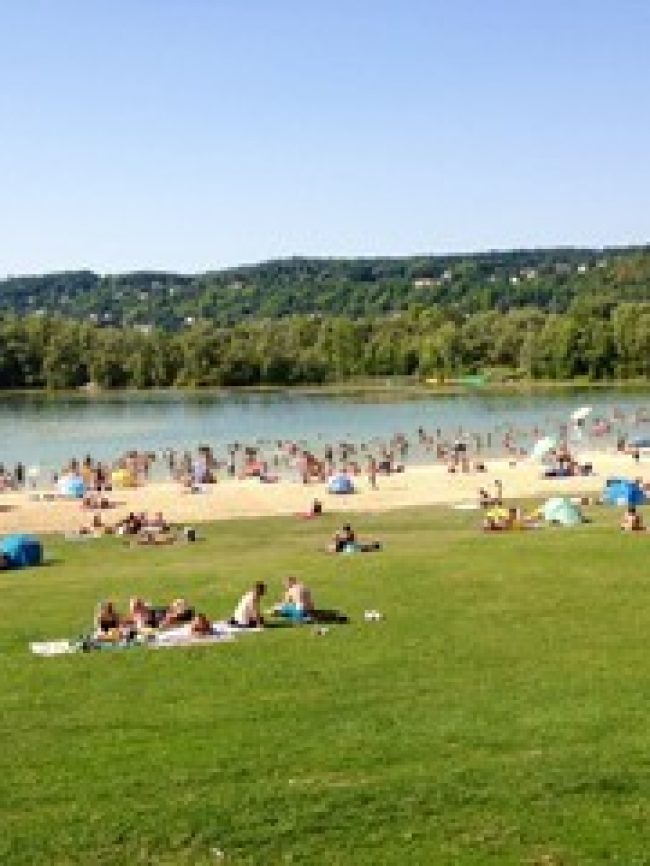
x: 247, y: 613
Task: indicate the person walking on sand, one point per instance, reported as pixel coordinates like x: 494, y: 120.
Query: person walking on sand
x: 372, y: 472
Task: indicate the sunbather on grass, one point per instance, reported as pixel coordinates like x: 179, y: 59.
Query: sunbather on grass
x: 341, y: 539
x: 178, y: 613
x: 345, y: 541
x: 108, y: 622
x: 200, y: 626
x: 141, y: 616
x: 632, y: 520
x: 247, y: 613
x: 297, y: 602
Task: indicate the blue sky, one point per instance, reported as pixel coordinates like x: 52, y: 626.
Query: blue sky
x: 193, y: 134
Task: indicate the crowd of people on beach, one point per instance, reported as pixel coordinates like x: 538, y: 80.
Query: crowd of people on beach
x: 461, y: 451
x: 462, y: 454
x: 146, y: 528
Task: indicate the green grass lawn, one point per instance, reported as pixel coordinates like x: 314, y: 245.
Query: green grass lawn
x: 499, y: 713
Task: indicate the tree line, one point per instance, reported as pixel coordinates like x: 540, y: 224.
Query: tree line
x: 595, y: 339
x: 550, y: 280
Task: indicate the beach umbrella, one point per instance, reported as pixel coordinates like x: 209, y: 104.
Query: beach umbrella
x: 581, y: 414
x: 543, y: 447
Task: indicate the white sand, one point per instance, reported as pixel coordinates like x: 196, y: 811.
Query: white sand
x: 419, y: 485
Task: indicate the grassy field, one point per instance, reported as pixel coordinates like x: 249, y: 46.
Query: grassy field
x: 497, y: 715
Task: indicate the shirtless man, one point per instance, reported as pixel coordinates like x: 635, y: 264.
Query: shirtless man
x: 297, y: 601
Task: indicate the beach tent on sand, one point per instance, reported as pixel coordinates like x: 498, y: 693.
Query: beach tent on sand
x: 620, y: 491
x: 121, y: 478
x: 543, y: 447
x: 639, y: 442
x: 72, y: 486
x: 579, y: 416
x: 340, y: 483
x: 562, y: 511
x: 21, y: 550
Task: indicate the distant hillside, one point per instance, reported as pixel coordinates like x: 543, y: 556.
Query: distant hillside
x: 547, y: 279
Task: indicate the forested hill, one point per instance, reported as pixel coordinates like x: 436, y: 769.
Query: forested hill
x: 547, y: 279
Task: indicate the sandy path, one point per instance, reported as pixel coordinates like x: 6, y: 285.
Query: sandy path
x: 419, y: 485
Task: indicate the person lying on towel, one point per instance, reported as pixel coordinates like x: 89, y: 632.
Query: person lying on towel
x: 342, y: 538
x: 200, y: 626
x: 110, y: 625
x: 107, y: 618
x: 178, y: 613
x: 345, y: 541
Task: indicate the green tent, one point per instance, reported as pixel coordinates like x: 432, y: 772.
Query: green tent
x: 562, y: 511
x: 476, y: 380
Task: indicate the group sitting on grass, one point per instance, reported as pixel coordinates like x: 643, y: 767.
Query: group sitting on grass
x: 144, y: 620
x: 144, y: 528
x: 501, y: 519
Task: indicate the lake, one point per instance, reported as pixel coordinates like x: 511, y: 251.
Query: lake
x: 48, y: 429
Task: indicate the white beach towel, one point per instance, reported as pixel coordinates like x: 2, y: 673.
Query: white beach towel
x: 53, y: 647
x: 184, y: 637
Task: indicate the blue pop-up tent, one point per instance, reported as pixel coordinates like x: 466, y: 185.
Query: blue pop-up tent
x: 620, y: 491
x: 21, y: 550
x: 72, y: 485
x: 340, y: 483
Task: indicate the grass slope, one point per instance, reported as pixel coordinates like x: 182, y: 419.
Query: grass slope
x: 497, y: 715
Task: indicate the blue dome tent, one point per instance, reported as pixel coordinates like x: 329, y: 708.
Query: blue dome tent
x: 620, y: 491
x: 22, y: 550
x: 72, y: 485
x: 340, y: 484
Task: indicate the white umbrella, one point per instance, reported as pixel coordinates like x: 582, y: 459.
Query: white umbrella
x: 543, y: 447
x: 581, y: 414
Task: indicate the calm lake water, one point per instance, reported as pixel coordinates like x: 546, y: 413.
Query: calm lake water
x: 46, y: 430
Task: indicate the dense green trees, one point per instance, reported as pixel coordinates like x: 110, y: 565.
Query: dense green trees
x: 596, y: 341
x: 549, y: 280
x: 540, y: 313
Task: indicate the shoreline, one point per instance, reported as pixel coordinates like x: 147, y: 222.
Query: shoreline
x: 383, y: 385
x: 420, y: 485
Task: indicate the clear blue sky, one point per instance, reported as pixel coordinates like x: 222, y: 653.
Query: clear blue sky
x: 192, y: 134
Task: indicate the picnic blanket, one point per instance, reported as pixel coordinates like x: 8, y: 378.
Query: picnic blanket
x: 222, y: 632
x: 64, y: 646
x: 182, y: 636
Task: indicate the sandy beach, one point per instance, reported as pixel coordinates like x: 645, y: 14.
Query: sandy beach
x: 417, y: 486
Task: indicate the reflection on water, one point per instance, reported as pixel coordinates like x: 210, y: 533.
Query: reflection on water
x: 48, y: 429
